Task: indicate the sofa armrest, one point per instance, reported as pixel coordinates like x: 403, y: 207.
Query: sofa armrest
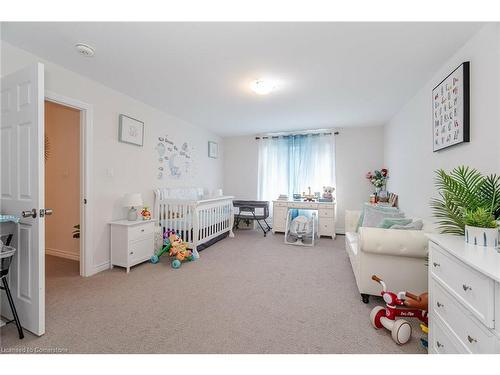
x: 404, y: 243
x: 351, y: 220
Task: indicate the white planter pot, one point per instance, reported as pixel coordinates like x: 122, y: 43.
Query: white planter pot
x: 481, y: 236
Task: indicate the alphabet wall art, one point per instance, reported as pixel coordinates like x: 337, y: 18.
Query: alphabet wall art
x: 450, y: 109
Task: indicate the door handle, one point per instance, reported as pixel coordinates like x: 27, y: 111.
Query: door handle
x: 29, y: 213
x: 45, y: 212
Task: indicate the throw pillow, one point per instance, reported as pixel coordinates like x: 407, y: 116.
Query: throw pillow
x: 388, y: 222
x: 416, y: 225
x: 373, y: 216
x: 371, y: 206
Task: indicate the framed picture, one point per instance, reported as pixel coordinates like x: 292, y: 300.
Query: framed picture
x: 450, y: 109
x: 213, y: 150
x: 131, y: 131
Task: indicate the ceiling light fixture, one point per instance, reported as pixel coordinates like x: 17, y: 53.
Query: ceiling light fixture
x: 85, y: 50
x: 263, y: 86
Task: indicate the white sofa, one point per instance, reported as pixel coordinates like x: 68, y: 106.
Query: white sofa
x: 396, y: 256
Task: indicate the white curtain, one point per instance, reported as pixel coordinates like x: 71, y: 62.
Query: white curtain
x: 290, y: 164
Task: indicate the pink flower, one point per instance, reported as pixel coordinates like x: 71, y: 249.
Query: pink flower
x: 369, y: 175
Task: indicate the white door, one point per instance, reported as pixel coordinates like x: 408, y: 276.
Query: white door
x: 22, y: 189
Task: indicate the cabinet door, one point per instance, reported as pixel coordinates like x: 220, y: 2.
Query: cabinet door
x: 140, y: 250
x: 279, y: 218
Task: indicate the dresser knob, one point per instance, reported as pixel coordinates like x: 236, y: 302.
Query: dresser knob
x: 436, y: 264
x: 439, y: 304
x: 466, y: 287
x: 471, y: 340
x: 131, y: 253
x: 142, y: 230
x: 439, y: 345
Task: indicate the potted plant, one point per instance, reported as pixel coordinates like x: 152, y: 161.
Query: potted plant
x: 481, y: 228
x: 468, y: 204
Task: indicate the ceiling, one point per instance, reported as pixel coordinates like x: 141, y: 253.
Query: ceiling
x: 331, y: 74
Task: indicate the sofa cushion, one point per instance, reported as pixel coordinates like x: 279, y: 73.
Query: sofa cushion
x: 415, y: 225
x: 375, y: 207
x: 389, y: 222
x: 374, y: 215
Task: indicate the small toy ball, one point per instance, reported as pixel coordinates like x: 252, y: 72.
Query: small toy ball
x: 176, y: 263
x: 154, y: 259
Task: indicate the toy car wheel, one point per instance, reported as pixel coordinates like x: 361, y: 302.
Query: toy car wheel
x: 154, y: 259
x: 375, y: 315
x: 401, y: 331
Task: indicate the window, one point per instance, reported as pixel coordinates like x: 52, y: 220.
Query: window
x: 290, y: 164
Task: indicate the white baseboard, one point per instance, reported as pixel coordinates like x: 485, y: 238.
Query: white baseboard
x: 99, y: 268
x: 62, y: 253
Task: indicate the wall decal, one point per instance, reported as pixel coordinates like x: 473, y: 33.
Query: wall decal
x: 174, y: 159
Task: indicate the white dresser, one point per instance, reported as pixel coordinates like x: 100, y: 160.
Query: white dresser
x: 326, y: 215
x: 464, y: 297
x: 132, y: 242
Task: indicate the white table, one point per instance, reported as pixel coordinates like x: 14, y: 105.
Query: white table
x: 326, y: 215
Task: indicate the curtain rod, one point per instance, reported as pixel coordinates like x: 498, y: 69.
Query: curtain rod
x: 291, y: 135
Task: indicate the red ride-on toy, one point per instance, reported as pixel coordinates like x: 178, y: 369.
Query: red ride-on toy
x: 394, y: 308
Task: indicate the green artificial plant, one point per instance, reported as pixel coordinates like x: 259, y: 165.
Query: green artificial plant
x: 465, y: 194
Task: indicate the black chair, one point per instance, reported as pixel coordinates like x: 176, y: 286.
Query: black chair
x: 6, y: 254
x: 247, y: 213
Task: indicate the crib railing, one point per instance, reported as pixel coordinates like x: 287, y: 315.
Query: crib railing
x: 196, y: 222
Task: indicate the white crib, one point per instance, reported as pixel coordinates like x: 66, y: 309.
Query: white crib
x: 195, y: 220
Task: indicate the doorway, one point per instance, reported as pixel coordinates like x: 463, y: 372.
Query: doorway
x: 68, y: 130
x: 62, y: 189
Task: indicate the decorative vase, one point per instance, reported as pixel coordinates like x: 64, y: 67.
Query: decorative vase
x: 487, y: 237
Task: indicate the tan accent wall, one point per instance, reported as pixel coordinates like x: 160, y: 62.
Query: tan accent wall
x: 62, y: 179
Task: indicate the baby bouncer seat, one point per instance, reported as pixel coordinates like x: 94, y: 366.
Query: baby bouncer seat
x: 302, y: 229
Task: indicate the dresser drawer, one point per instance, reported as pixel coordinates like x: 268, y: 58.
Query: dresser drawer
x: 141, y: 249
x: 473, y: 335
x: 140, y: 230
x: 326, y: 228
x: 442, y: 340
x: 279, y: 204
x: 303, y: 205
x: 325, y: 213
x: 473, y: 289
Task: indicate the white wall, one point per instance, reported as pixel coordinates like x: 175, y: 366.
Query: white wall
x: 119, y: 168
x: 408, y: 136
x: 357, y: 150
x: 241, y: 167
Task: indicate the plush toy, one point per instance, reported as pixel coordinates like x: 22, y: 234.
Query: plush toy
x: 328, y: 192
x: 179, y: 249
x: 146, y: 214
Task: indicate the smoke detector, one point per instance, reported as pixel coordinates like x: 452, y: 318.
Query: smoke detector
x: 85, y: 50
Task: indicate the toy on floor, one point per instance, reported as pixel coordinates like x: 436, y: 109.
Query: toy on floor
x: 178, y: 249
x: 166, y: 246
x: 398, y: 306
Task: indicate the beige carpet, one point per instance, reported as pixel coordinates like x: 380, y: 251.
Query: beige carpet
x: 247, y: 294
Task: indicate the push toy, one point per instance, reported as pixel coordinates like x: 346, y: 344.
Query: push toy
x: 386, y: 317
x: 166, y: 246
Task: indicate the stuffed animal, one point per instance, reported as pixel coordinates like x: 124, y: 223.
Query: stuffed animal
x: 179, y: 248
x: 328, y: 192
x: 146, y: 214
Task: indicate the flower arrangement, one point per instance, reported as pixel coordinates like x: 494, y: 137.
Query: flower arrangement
x: 378, y: 178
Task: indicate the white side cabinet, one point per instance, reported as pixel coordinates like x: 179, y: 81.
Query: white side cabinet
x: 464, y: 297
x: 132, y: 242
